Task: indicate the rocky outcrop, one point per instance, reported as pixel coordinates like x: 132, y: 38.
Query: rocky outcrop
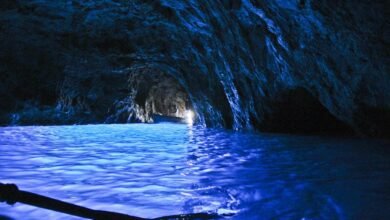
x: 271, y: 65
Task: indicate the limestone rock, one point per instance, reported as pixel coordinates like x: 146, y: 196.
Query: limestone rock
x: 274, y: 65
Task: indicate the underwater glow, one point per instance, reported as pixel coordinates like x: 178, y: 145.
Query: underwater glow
x: 167, y: 169
x: 189, y: 117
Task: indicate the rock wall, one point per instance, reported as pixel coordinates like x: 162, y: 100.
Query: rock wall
x: 272, y: 65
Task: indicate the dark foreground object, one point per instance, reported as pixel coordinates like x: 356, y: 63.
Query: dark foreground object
x: 10, y: 194
x: 161, y: 118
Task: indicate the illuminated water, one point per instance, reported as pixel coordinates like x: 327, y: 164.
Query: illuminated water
x: 164, y: 169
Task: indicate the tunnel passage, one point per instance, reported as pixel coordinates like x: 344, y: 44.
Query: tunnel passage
x: 157, y: 96
x: 298, y: 111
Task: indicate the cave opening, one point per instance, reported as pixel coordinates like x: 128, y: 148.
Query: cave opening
x: 298, y: 111
x: 159, y: 97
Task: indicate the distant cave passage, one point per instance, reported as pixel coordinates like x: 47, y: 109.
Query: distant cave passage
x: 159, y: 96
x: 298, y: 111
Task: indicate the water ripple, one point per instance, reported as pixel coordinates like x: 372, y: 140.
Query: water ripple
x: 166, y: 169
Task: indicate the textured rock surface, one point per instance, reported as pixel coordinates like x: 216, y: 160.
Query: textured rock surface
x: 280, y: 65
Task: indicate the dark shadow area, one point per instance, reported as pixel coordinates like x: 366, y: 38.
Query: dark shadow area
x: 2, y: 217
x: 374, y: 121
x: 297, y: 111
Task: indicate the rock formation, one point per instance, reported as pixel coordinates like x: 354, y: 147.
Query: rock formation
x: 272, y: 65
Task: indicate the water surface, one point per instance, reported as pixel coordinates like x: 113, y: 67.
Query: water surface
x: 164, y: 169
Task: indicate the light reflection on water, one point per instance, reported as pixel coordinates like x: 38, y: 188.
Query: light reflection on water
x: 165, y: 169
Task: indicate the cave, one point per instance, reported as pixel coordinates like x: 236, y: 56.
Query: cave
x: 157, y: 96
x: 160, y: 94
x: 297, y: 111
x: 212, y: 109
x: 234, y: 79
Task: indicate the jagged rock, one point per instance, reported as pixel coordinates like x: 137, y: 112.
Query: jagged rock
x: 239, y: 62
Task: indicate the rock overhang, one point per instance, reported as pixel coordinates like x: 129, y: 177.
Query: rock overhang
x: 232, y: 61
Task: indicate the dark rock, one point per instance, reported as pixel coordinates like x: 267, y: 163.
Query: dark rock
x: 241, y: 64
x: 297, y: 111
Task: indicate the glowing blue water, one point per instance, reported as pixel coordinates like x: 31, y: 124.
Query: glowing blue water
x: 164, y: 169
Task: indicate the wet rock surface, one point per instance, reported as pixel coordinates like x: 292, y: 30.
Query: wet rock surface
x: 239, y: 63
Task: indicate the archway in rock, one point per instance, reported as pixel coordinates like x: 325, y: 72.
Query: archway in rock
x: 157, y: 96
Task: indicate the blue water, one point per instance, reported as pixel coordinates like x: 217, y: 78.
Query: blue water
x: 164, y: 169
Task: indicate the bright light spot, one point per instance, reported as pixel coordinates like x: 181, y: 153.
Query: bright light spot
x: 189, y: 116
